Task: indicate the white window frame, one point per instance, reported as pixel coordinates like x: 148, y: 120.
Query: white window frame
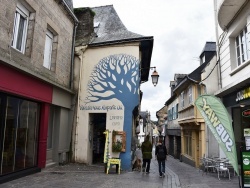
x: 48, y: 49
x: 203, y: 59
x: 173, y: 113
x: 182, y: 99
x: 190, y: 95
x: 21, y: 12
x: 242, y: 47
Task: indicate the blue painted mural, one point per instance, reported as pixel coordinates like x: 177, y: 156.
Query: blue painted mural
x: 117, y: 76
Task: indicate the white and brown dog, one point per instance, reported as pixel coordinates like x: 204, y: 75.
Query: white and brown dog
x: 137, y: 166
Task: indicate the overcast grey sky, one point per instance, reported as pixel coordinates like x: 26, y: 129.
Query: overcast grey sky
x: 180, y: 29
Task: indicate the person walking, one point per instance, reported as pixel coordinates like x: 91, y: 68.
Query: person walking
x: 146, y: 149
x: 161, y: 156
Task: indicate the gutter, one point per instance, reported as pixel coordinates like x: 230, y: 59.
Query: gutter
x: 122, y: 41
x: 73, y: 43
x: 70, y: 11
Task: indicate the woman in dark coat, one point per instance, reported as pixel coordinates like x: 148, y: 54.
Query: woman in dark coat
x: 146, y: 149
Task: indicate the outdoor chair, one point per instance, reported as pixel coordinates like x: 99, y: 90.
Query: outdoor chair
x: 208, y: 165
x: 230, y: 167
x: 221, y: 167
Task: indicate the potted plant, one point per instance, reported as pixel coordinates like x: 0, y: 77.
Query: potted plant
x: 117, y: 146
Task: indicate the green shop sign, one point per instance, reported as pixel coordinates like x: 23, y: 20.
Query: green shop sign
x: 246, y: 168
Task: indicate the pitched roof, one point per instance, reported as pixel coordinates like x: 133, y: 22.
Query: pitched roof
x: 110, y: 29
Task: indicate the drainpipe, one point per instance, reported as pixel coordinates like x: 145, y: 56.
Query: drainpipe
x: 217, y: 42
x: 72, y: 57
x: 68, y: 9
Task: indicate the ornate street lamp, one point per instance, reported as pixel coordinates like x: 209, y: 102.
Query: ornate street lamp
x: 154, y: 76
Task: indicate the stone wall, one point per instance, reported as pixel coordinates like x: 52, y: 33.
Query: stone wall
x: 43, y: 14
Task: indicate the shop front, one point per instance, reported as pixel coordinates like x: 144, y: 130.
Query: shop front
x: 238, y: 105
x: 24, y: 109
x: 192, y: 142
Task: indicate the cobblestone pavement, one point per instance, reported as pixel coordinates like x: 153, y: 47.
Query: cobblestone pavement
x: 178, y: 175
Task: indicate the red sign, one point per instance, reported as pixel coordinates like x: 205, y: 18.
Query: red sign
x: 246, y: 113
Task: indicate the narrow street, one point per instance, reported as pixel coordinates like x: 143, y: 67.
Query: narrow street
x: 178, y: 175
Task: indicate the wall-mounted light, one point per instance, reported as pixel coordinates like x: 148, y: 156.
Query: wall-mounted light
x: 155, y: 76
x: 242, y: 105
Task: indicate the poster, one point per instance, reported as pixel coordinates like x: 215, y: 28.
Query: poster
x: 246, y: 169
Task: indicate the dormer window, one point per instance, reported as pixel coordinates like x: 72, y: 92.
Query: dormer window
x: 203, y: 59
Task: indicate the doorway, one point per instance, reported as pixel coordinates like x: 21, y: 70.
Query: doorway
x: 98, y: 125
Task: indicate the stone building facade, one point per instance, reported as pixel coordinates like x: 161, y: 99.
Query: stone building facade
x: 35, y: 84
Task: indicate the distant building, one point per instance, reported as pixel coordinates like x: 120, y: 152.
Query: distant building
x: 187, y: 135
x: 173, y: 130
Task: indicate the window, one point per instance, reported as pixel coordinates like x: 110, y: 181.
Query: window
x: 241, y: 45
x: 182, y: 99
x: 188, y: 142
x: 203, y: 59
x: 190, y: 96
x: 20, y: 28
x: 176, y: 110
x: 173, y: 114
x: 48, y: 50
x: 170, y: 116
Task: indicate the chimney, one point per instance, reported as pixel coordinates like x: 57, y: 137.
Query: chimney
x: 85, y: 29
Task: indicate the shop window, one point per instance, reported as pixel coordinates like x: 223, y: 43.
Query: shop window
x: 19, y: 141
x: 188, y: 142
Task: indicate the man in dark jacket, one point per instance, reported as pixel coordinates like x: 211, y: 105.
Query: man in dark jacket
x: 146, y: 149
x: 160, y: 154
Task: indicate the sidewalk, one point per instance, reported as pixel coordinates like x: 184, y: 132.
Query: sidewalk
x: 178, y: 175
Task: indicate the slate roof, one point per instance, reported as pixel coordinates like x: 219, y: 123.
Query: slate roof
x: 209, y: 47
x: 111, y: 29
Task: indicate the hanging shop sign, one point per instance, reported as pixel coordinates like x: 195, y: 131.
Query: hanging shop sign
x: 243, y: 94
x: 246, y: 113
